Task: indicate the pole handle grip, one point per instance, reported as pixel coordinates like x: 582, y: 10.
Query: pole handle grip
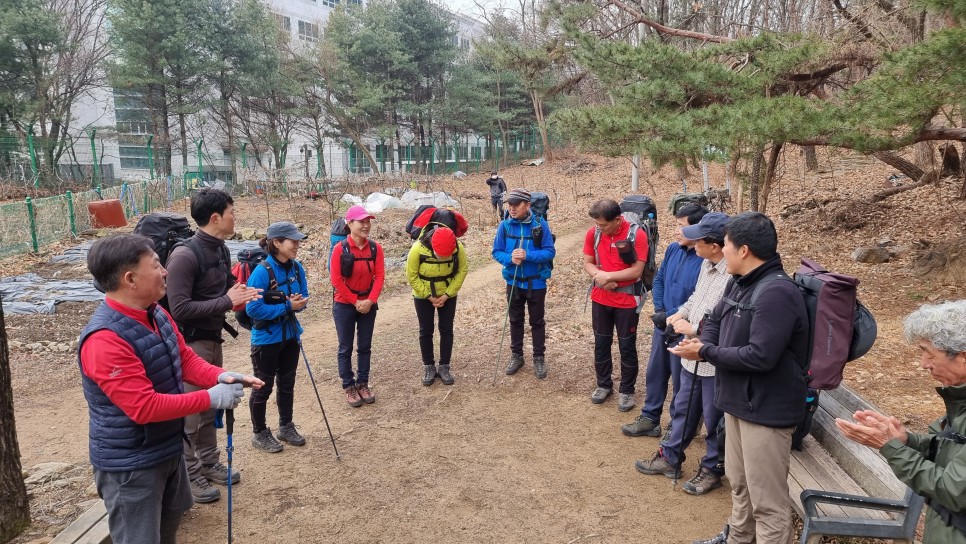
x: 230, y: 420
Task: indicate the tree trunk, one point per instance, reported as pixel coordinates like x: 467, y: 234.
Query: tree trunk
x: 773, y: 157
x: 911, y: 171
x: 925, y: 156
x: 542, y: 125
x: 811, y: 158
x: 754, y: 180
x: 14, y: 508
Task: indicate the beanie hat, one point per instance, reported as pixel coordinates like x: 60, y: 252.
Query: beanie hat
x: 517, y: 196
x: 443, y: 241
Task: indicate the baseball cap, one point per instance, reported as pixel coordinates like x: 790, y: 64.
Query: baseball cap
x: 357, y: 213
x: 711, y: 226
x: 284, y: 229
x: 443, y: 241
x: 517, y: 196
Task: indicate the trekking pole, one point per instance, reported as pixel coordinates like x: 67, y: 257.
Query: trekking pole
x: 316, y: 388
x: 229, y: 448
x: 687, y: 412
x: 506, y: 318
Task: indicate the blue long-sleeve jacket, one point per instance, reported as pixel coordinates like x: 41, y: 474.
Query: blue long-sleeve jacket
x: 676, y: 278
x: 291, y: 279
x: 535, y: 269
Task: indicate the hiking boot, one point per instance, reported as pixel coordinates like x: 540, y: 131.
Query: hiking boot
x: 702, y: 482
x: 657, y: 465
x: 429, y: 374
x: 642, y: 426
x: 289, y: 434
x: 720, y: 538
x: 600, y: 395
x: 202, y: 491
x: 365, y: 393
x: 218, y: 473
x: 667, y: 433
x: 445, y: 376
x: 264, y: 440
x: 352, y: 397
x: 625, y: 401
x: 516, y: 361
x: 540, y: 367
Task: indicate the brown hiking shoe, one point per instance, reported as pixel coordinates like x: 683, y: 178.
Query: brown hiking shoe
x: 702, y: 482
x: 657, y: 465
x: 352, y: 396
x: 365, y: 393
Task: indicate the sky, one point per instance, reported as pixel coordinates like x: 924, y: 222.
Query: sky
x: 468, y: 7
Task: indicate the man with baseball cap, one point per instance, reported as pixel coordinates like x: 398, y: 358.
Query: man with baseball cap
x: 524, y: 246
x: 695, y: 396
x: 436, y: 268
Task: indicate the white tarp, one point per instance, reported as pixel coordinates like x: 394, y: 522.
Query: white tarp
x: 377, y: 202
x: 414, y: 199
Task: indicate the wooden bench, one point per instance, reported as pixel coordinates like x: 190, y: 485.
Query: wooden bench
x: 841, y: 488
x: 89, y: 528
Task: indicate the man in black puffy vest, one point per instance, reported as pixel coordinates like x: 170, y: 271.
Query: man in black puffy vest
x: 134, y: 365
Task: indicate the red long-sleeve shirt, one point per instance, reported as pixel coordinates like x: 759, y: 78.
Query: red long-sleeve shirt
x: 116, y: 369
x: 364, y: 273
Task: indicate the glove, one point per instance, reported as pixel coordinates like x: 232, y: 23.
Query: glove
x: 236, y: 376
x: 226, y: 396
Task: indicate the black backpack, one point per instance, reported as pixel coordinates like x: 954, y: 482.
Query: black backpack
x: 248, y: 259
x: 640, y: 212
x: 347, y: 261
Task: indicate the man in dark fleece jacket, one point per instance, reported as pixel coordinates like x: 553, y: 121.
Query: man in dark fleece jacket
x: 759, y: 354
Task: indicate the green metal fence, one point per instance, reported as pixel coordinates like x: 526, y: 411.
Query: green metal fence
x: 33, y: 223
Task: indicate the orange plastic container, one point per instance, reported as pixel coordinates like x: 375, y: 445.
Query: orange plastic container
x: 106, y: 214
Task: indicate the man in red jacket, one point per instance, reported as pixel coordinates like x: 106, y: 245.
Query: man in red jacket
x: 134, y: 364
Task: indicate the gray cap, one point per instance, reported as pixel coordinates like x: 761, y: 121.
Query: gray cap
x: 284, y: 229
x: 711, y: 226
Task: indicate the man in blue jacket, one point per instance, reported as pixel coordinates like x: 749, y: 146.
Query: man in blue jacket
x: 524, y: 246
x: 673, y: 284
x: 757, y: 340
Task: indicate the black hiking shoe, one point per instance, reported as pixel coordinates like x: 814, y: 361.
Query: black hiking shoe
x: 516, y: 361
x: 444, y: 375
x: 539, y: 367
x: 264, y: 440
x: 287, y: 433
x: 429, y: 374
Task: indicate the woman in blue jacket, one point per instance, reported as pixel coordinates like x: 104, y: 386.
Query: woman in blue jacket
x: 276, y: 333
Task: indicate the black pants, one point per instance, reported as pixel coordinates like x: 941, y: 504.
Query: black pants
x: 274, y: 364
x: 532, y: 301
x: 426, y: 315
x: 605, y: 320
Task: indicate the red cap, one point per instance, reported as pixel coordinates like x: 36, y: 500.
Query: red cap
x: 443, y: 242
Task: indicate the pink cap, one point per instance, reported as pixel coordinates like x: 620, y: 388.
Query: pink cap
x: 357, y: 213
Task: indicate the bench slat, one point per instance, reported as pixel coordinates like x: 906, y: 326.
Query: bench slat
x: 816, y: 466
x: 89, y: 528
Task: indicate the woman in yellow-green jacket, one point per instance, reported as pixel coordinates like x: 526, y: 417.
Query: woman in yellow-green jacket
x: 436, y: 269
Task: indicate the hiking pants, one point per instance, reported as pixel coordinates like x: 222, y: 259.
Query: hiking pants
x: 201, y: 447
x: 605, y: 319
x: 426, y: 315
x: 527, y: 300
x: 145, y: 506
x: 661, y: 367
x: 274, y: 364
x: 756, y: 463
x: 497, y: 202
x: 701, y: 400
x: 347, y: 321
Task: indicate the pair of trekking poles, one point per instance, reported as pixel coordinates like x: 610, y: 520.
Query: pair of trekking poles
x: 230, y: 427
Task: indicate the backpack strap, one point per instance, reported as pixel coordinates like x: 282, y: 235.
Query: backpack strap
x: 431, y: 259
x: 348, y: 260
x: 753, y: 300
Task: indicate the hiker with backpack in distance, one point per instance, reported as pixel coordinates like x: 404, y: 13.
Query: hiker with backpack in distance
x: 200, y: 291
x: 357, y: 271
x: 673, y: 284
x: 759, y: 353
x: 436, y: 268
x: 616, y: 264
x: 524, y: 246
x: 276, y: 333
x: 695, y: 398
x: 497, y: 191
x: 134, y: 367
x: 930, y: 463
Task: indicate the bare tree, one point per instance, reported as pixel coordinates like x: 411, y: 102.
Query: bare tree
x: 14, y: 508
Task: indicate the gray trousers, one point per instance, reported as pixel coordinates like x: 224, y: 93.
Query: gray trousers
x: 145, y: 506
x: 201, y: 448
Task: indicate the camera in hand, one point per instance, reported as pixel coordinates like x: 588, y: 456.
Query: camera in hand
x: 660, y: 320
x: 274, y: 296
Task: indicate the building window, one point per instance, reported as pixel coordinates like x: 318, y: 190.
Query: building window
x: 134, y: 157
x: 354, y: 2
x: 330, y: 3
x: 308, y: 32
x: 284, y: 22
x: 131, y: 113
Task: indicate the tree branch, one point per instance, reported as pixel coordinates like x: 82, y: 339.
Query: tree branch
x: 858, y: 22
x: 925, y: 134
x: 638, y: 17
